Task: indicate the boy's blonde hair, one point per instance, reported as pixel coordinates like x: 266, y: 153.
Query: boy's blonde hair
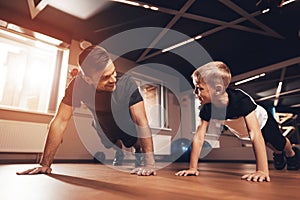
x: 212, y: 73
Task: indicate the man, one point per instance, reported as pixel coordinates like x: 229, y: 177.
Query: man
x: 118, y: 111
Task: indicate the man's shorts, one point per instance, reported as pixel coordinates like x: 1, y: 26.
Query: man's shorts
x: 110, y: 137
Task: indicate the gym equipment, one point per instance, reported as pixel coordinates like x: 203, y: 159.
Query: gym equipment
x: 99, y: 157
x: 181, y: 150
x: 206, y: 148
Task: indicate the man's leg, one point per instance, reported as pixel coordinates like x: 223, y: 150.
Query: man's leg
x: 119, y: 155
x: 138, y: 154
x: 110, y: 141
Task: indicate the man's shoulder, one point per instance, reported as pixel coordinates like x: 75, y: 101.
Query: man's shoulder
x: 126, y: 83
x: 125, y: 78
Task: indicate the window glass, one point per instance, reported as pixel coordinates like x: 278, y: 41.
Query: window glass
x: 30, y: 73
x: 155, y: 99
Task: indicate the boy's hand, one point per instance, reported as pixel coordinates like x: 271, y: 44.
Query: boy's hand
x: 194, y: 172
x: 36, y: 170
x: 258, y: 176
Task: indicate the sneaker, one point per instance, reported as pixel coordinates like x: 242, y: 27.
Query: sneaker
x: 293, y: 163
x: 279, y: 161
x: 119, y: 157
x: 139, y: 159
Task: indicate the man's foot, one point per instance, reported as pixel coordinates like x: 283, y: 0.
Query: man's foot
x: 279, y: 161
x: 293, y: 163
x: 119, y: 157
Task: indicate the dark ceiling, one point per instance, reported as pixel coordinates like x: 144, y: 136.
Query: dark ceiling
x: 235, y: 31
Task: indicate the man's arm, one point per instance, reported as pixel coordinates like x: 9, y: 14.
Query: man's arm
x: 138, y: 115
x: 55, y: 134
x: 259, y: 147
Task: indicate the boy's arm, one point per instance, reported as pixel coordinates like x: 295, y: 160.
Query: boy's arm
x: 259, y: 147
x: 138, y: 114
x: 197, y: 144
x: 55, y: 134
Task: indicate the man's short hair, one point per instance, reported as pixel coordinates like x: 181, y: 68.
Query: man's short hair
x: 93, y: 58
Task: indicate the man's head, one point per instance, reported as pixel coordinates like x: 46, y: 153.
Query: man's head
x: 211, y: 80
x: 97, y: 68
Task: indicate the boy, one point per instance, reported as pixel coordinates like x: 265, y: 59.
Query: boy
x: 224, y: 104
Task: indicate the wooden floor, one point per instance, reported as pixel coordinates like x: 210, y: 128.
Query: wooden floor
x: 97, y: 181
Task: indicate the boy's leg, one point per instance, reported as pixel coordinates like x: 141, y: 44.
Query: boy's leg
x: 278, y: 158
x: 289, y: 152
x: 276, y: 141
x: 292, y: 156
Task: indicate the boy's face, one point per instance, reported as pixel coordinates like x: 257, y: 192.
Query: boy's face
x: 202, y: 92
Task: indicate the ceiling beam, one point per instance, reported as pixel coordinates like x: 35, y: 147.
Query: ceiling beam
x: 281, y: 94
x: 245, y: 14
x: 279, y: 87
x: 35, y: 10
x: 266, y: 69
x: 177, y: 16
x: 222, y: 25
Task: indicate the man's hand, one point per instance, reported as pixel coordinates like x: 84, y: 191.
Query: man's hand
x: 144, y: 171
x: 188, y: 172
x: 258, y: 176
x: 36, y: 170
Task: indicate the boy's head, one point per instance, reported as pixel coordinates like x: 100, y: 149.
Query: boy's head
x: 212, y: 78
x: 212, y: 73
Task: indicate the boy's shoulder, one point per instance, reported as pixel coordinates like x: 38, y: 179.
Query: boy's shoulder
x: 235, y: 90
x: 236, y: 93
x: 239, y: 97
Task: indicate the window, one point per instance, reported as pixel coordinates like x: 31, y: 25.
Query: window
x: 155, y: 99
x: 197, y: 111
x: 30, y: 73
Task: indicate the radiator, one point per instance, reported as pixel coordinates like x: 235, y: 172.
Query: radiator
x: 22, y: 137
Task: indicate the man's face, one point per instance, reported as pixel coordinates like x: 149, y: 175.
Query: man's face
x: 106, y: 81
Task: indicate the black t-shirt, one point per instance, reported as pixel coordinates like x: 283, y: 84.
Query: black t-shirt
x: 110, y: 109
x: 240, y: 105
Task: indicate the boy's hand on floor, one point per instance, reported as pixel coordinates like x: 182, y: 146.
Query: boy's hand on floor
x: 188, y: 172
x: 258, y: 176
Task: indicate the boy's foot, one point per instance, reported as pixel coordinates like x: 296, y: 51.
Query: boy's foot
x: 293, y: 163
x: 119, y: 157
x: 279, y: 161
